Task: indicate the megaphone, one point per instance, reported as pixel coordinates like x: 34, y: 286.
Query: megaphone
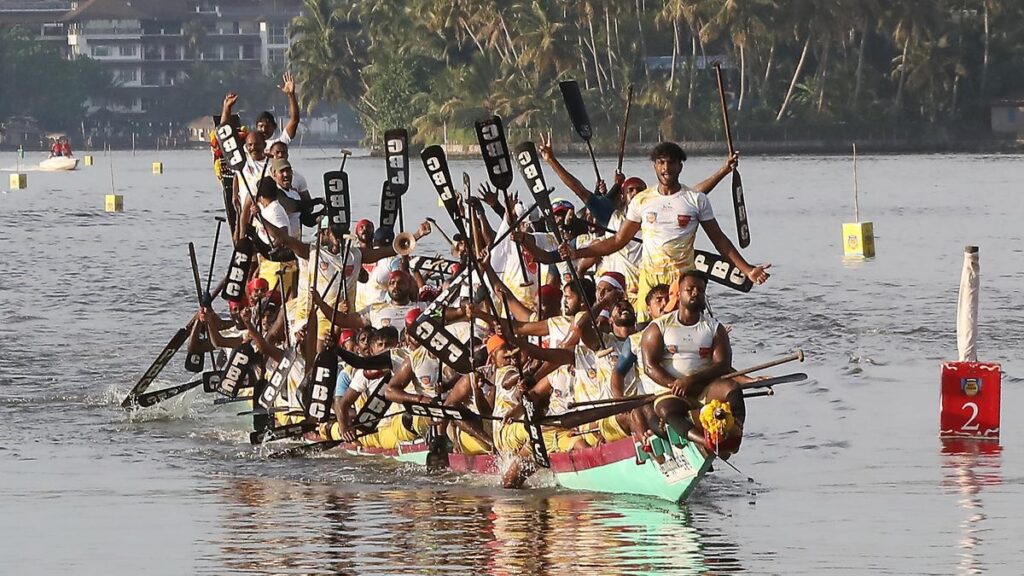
x: 404, y: 244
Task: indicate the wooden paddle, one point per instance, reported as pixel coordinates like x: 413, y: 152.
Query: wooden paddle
x: 573, y: 99
x: 625, y: 127
x: 738, y: 203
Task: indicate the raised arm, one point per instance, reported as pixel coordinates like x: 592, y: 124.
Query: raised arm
x: 710, y: 182
x: 564, y: 175
x: 606, y: 246
x: 225, y: 111
x: 288, y: 87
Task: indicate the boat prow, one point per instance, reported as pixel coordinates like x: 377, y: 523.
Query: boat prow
x: 58, y: 163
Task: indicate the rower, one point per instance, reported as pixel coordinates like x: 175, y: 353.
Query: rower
x: 256, y: 167
x: 667, y: 217
x: 363, y: 382
x: 629, y: 369
x: 685, y: 353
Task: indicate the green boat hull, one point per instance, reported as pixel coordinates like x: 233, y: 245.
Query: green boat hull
x: 614, y: 468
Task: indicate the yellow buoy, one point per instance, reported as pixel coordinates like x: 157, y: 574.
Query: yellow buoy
x: 858, y: 240
x: 87, y: 159
x: 19, y: 181
x: 158, y: 167
x: 114, y: 203
x: 858, y: 237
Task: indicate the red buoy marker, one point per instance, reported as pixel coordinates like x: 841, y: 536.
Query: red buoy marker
x: 970, y: 393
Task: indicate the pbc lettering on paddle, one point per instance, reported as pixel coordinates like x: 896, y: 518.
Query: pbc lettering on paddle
x: 529, y: 164
x: 318, y: 393
x: 396, y: 154
x: 241, y: 259
x: 490, y: 135
x: 231, y: 146
x: 373, y: 411
x: 441, y: 343
x: 721, y: 271
x: 238, y: 367
x: 339, y: 208
x: 278, y: 379
x: 389, y: 201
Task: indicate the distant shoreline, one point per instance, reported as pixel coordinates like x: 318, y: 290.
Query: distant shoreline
x: 692, y: 148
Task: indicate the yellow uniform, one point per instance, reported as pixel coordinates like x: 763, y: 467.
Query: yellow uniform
x: 668, y: 226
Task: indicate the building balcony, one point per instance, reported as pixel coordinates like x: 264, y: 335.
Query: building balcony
x: 102, y: 33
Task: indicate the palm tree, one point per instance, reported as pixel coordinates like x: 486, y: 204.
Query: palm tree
x: 328, y: 54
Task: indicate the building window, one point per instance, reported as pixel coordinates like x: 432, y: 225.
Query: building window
x: 247, y: 28
x: 129, y: 50
x: 276, y: 58
x: 150, y: 78
x: 278, y: 34
x: 100, y: 51
x: 127, y: 75
x: 248, y: 52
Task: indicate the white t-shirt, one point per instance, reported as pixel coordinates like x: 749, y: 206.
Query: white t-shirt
x: 668, y: 226
x: 252, y: 172
x: 282, y: 137
x: 294, y: 218
x: 390, y: 314
x: 375, y: 289
x: 274, y: 214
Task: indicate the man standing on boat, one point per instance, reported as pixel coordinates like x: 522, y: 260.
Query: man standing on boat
x: 667, y: 216
x: 685, y: 353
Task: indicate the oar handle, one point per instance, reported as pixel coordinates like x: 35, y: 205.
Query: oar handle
x: 725, y: 109
x: 798, y: 355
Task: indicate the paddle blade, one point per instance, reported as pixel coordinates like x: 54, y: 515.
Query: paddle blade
x: 230, y: 146
x: 435, y: 337
x: 529, y: 166
x: 319, y: 391
x: 490, y: 134
x: 740, y: 208
x: 577, y: 109
x: 389, y: 202
x: 721, y: 270
x: 339, y: 208
x: 239, y: 365
x: 170, y: 349
x: 396, y: 155
x: 436, y: 163
x: 775, y: 381
x: 150, y: 398
x: 238, y: 270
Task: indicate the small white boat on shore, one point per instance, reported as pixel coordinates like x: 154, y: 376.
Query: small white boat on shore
x: 57, y: 163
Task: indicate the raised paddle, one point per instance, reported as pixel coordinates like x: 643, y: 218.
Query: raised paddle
x: 529, y: 165
x: 738, y: 203
x: 625, y: 127
x: 578, y: 116
x: 490, y: 134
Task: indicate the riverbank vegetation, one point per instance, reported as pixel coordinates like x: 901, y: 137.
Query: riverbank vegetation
x: 794, y: 69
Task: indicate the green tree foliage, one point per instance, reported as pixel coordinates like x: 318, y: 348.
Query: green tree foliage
x: 38, y: 82
x: 802, y: 68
